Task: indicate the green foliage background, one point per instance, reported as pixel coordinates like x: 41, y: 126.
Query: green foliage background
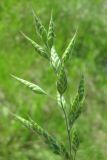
x: 18, y: 57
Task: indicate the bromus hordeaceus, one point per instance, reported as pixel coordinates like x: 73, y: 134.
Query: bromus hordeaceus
x: 58, y: 64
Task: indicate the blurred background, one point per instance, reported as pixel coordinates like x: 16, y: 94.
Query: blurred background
x: 18, y: 57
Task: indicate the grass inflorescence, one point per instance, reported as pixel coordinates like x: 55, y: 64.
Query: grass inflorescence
x: 74, y: 110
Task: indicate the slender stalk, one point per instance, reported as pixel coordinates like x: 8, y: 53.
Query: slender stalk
x: 67, y: 128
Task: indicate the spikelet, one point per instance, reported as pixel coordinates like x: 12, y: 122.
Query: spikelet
x: 76, y: 107
x: 74, y: 141
x: 56, y: 147
x: 35, y: 88
x: 55, y: 60
x: 62, y: 81
x: 61, y: 100
x: 75, y: 112
x: 40, y: 28
x: 67, y: 53
x: 51, y: 34
x: 81, y: 89
x: 37, y: 47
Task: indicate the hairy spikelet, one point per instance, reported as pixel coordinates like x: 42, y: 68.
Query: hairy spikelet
x: 62, y: 81
x: 55, y: 60
x: 51, y: 33
x: 37, y: 47
x: 81, y: 89
x: 68, y: 50
x: 35, y: 88
x: 40, y: 28
x: 75, y: 112
x: 75, y: 141
x: 52, y: 143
